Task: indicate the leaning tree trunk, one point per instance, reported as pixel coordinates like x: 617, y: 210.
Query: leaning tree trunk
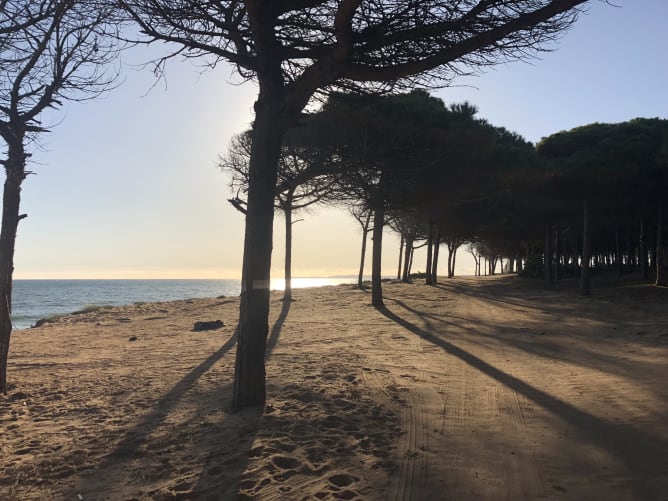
x: 365, y: 232
x: 586, y: 251
x: 249, y: 370
x: 661, y: 275
x: 15, y: 169
x: 377, y: 249
x: 287, y: 209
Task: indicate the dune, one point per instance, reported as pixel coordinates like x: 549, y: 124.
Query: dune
x: 478, y: 388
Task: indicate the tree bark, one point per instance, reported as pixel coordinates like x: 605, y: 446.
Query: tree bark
x: 287, y: 210
x: 586, y: 251
x: 15, y: 169
x: 661, y: 275
x: 365, y: 232
x: 377, y: 250
x: 249, y: 374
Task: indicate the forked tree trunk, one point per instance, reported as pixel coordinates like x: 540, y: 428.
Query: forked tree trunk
x: 287, y: 210
x: 377, y: 250
x: 249, y: 371
x: 586, y: 251
x: 15, y: 169
x: 661, y: 275
x: 365, y: 233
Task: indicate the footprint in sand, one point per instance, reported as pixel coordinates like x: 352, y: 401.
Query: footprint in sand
x: 285, y: 462
x: 342, y: 479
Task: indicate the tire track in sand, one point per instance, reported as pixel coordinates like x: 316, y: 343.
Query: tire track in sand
x: 412, y: 374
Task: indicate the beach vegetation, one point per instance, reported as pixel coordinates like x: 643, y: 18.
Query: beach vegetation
x: 91, y: 308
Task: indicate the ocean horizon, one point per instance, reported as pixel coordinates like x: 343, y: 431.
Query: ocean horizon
x: 34, y: 299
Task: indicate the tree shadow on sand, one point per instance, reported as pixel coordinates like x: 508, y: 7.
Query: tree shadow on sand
x: 643, y: 454
x: 276, y: 329
x: 190, y: 445
x: 172, y: 432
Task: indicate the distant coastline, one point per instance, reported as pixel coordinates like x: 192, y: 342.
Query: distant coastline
x: 35, y: 299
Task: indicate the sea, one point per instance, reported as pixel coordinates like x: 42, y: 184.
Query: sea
x: 36, y: 299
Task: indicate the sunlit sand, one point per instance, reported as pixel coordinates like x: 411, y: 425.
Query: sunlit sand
x: 485, y: 388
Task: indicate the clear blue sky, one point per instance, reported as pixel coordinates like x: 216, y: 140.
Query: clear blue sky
x: 127, y: 186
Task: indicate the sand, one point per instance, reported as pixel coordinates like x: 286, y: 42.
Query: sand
x: 488, y: 388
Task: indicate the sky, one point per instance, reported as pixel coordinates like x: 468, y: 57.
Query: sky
x: 127, y: 186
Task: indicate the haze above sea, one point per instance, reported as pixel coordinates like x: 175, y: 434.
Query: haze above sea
x: 36, y: 299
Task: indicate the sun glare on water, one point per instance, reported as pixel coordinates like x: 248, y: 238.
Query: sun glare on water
x: 303, y: 282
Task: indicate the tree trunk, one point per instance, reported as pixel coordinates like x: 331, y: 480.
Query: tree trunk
x: 661, y: 275
x: 450, y: 260
x: 249, y: 370
x: 548, y: 254
x: 408, y: 256
x: 287, y: 292
x: 434, y: 264
x: 365, y: 232
x: 15, y: 169
x: 586, y: 251
x: 377, y: 251
x: 401, y: 253
x: 430, y: 243
x: 642, y: 252
x: 618, y: 254
x: 557, y: 254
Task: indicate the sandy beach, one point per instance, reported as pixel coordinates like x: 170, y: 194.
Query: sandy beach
x: 479, y: 388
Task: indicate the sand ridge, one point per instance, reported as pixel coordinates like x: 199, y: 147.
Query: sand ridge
x: 488, y: 388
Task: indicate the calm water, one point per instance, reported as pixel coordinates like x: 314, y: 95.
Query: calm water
x: 35, y: 299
